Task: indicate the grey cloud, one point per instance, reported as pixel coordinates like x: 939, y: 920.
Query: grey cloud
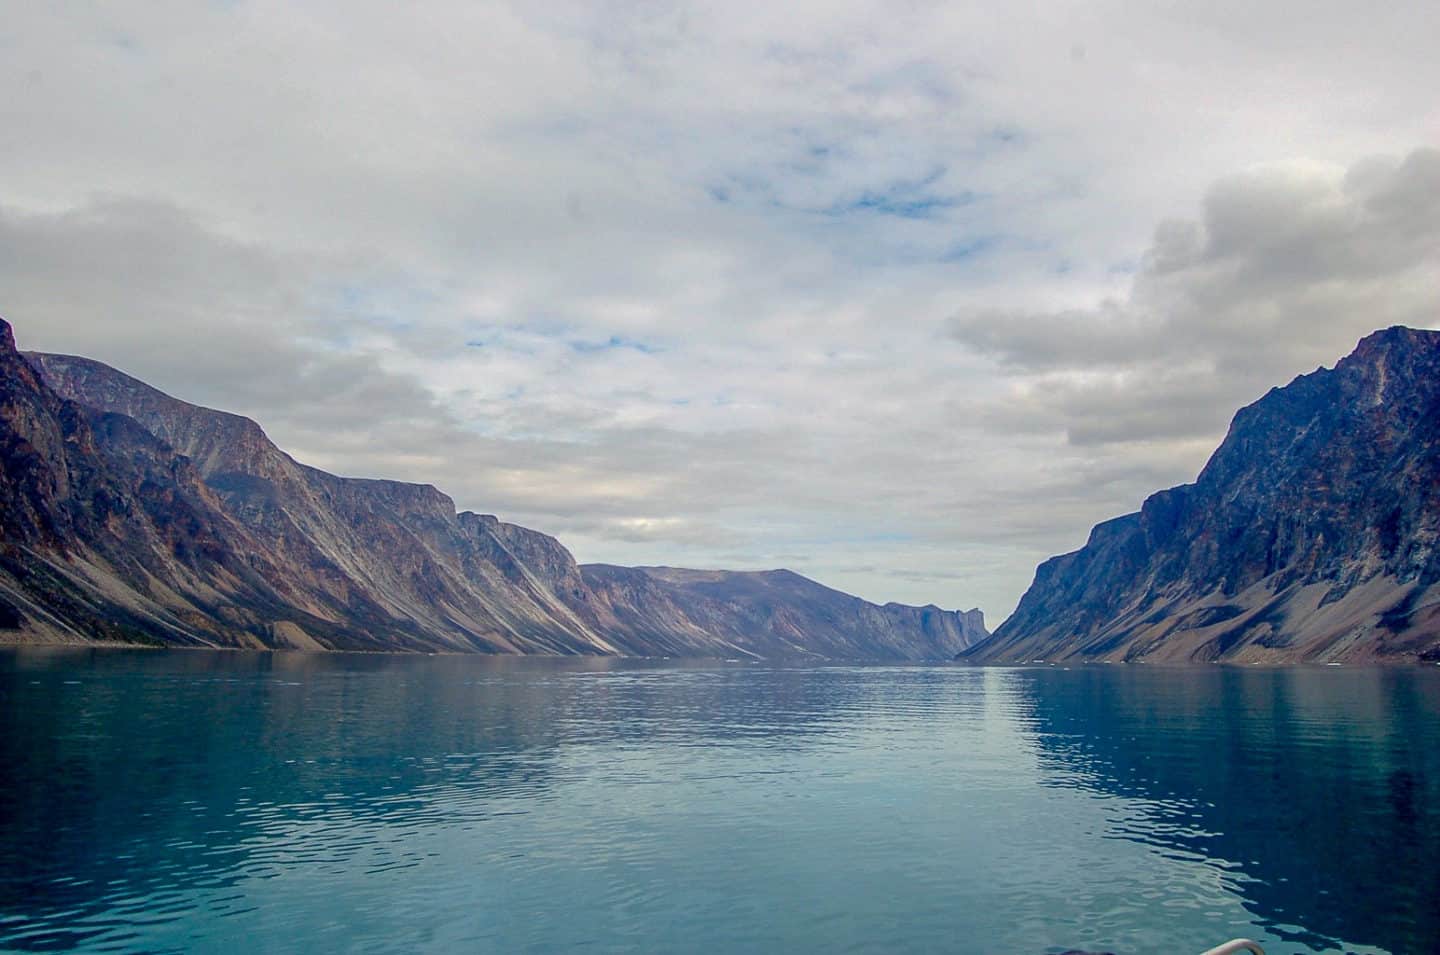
x: 1108, y: 336
x: 1285, y: 270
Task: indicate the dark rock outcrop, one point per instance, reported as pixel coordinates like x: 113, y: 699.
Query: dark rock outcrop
x: 131, y: 515
x: 1313, y: 534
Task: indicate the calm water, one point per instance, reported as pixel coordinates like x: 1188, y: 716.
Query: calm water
x: 221, y: 802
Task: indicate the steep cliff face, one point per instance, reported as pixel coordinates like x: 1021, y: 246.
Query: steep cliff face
x: 125, y: 544
x: 1311, y: 535
x: 183, y: 525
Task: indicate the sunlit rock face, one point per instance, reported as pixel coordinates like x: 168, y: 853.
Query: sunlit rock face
x: 1311, y: 535
x: 130, y: 515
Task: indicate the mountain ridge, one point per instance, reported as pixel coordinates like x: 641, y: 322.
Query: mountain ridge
x: 1312, y: 534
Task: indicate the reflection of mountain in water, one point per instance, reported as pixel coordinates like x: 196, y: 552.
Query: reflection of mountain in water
x: 1316, y: 785
x: 153, y: 774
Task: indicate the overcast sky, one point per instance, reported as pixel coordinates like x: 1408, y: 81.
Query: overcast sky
x: 902, y: 295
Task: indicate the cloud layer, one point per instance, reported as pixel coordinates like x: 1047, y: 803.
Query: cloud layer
x: 860, y: 288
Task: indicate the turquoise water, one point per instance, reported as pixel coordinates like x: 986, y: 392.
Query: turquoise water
x: 216, y: 802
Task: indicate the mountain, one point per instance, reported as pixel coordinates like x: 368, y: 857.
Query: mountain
x: 127, y: 545
x: 132, y: 515
x: 1312, y: 535
x: 773, y: 613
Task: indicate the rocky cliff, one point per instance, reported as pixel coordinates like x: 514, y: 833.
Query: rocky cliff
x: 1311, y: 535
x: 131, y: 515
x: 123, y: 544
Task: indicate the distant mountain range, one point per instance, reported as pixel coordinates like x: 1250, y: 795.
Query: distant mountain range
x: 130, y: 516
x: 1312, y: 535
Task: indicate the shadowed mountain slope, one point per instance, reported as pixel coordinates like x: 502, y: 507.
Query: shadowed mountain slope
x: 1313, y: 534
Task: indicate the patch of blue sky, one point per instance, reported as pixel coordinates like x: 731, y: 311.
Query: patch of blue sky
x: 530, y: 339
x: 539, y: 330
x: 969, y: 248
x: 906, y: 199
x: 896, y: 203
x: 510, y: 338
x: 613, y: 343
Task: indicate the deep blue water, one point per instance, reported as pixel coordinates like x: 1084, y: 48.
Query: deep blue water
x: 217, y: 802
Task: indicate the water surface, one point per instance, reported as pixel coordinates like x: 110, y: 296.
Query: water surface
x: 209, y: 802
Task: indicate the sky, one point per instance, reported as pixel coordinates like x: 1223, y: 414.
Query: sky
x: 902, y: 295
